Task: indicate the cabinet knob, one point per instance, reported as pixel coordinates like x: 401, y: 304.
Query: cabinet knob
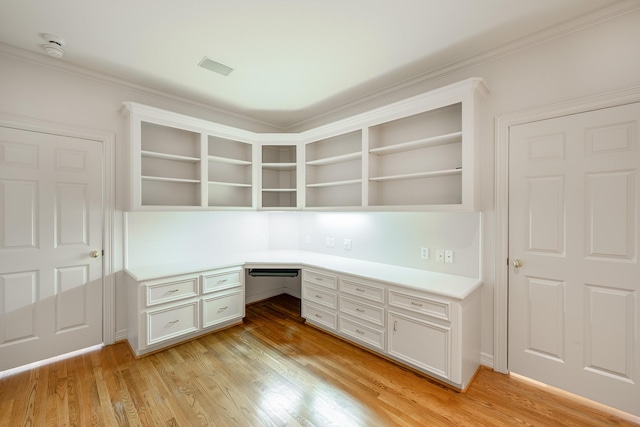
x: 517, y: 263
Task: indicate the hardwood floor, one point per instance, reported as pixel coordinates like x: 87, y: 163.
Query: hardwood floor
x: 271, y: 371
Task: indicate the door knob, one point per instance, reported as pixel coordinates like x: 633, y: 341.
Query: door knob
x: 517, y: 263
x: 94, y: 254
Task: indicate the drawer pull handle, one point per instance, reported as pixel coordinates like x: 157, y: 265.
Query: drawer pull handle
x: 318, y: 296
x: 173, y: 322
x: 319, y: 315
x: 395, y: 325
x: 360, y: 332
x: 221, y: 309
x: 172, y: 291
x: 319, y: 279
x: 360, y: 310
x: 417, y: 304
x: 359, y: 289
x: 222, y: 281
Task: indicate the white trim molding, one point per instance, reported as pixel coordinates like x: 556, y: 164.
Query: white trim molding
x: 107, y: 139
x: 503, y: 124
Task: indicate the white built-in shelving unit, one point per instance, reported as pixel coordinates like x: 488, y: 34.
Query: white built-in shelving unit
x: 421, y: 153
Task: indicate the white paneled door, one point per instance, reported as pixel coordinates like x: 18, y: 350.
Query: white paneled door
x: 50, y: 223
x: 574, y: 300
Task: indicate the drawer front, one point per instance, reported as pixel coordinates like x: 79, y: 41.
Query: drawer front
x: 318, y: 316
x: 317, y: 278
x: 220, y: 308
x: 421, y: 304
x: 215, y: 281
x: 171, y: 322
x: 158, y: 293
x: 362, y: 311
x: 373, y: 337
x: 319, y: 296
x: 367, y: 291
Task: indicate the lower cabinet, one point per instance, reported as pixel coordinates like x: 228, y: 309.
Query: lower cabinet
x: 434, y: 334
x: 421, y: 344
x: 166, y: 311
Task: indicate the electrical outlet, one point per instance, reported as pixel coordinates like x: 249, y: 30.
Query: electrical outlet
x: 329, y: 242
x: 424, y: 253
x: 448, y: 256
x: 347, y: 244
x: 440, y: 255
x: 307, y: 240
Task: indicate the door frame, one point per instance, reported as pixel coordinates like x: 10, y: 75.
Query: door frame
x: 503, y: 123
x: 107, y: 140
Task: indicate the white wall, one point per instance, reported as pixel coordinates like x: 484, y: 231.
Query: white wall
x: 158, y: 238
x: 588, y: 61
x: 397, y: 237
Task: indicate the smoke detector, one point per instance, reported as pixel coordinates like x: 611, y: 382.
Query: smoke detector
x: 54, y: 45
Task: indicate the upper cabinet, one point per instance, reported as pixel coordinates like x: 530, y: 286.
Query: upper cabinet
x: 421, y: 153
x: 179, y: 162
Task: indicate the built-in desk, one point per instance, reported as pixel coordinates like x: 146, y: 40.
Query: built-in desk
x: 426, y: 320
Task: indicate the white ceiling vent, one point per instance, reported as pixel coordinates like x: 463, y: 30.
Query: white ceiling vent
x: 215, y: 66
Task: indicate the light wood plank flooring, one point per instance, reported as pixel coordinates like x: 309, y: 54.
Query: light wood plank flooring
x: 271, y: 371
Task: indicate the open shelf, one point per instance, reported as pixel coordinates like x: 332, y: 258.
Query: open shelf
x: 333, y: 171
x: 335, y: 159
x: 417, y: 160
x: 167, y: 179
x: 417, y: 175
x: 229, y: 172
x: 420, y: 143
x: 165, y: 156
x: 279, y: 176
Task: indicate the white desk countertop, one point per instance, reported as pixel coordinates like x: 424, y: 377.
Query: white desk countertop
x: 448, y: 285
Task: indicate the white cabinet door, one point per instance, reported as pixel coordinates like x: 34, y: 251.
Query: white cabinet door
x: 574, y: 224
x: 50, y: 222
x: 420, y: 343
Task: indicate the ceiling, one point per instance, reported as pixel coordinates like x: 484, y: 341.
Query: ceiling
x: 292, y: 59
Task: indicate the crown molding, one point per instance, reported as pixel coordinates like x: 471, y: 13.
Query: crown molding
x: 564, y: 29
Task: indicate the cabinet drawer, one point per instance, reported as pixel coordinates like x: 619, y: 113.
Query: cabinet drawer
x: 171, y: 322
x: 421, y: 304
x: 320, y: 279
x: 319, y: 296
x: 363, y: 290
x: 319, y: 316
x: 219, y: 308
x: 362, y: 311
x: 158, y: 293
x: 368, y: 335
x: 221, y: 279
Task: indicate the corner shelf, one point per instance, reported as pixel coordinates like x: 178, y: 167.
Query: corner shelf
x: 279, y: 177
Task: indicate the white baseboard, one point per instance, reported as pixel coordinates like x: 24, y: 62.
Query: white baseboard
x: 122, y: 335
x: 486, y: 360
